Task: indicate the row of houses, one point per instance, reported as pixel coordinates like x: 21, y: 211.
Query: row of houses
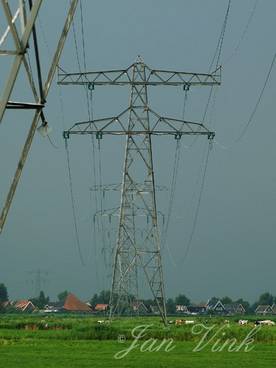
x: 210, y: 307
x: 73, y: 304
x: 20, y: 306
x: 266, y: 309
x: 218, y: 308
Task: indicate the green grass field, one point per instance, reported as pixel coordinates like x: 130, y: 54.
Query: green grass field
x: 75, y: 341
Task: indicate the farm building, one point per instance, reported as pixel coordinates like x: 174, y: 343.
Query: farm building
x: 73, y: 304
x: 181, y: 309
x: 24, y: 306
x: 273, y: 309
x: 216, y: 307
x: 263, y: 309
x: 101, y: 307
x: 140, y: 307
x: 197, y: 309
x: 234, y: 308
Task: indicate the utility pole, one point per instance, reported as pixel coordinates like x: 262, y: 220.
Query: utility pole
x: 138, y: 257
x: 40, y: 91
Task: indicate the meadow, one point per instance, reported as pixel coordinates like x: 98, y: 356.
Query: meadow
x: 80, y: 341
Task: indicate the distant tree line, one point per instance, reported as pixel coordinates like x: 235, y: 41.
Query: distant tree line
x: 103, y: 297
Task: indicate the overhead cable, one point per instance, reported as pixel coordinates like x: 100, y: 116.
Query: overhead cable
x: 253, y: 113
x: 196, y: 216
x: 216, y: 58
x: 73, y: 204
x: 245, y: 30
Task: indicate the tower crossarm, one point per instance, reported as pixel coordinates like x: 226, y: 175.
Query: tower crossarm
x: 153, y: 77
x: 142, y: 187
x: 159, y: 125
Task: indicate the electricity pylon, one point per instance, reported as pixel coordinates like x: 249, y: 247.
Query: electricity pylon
x: 21, y: 34
x: 138, y: 258
x: 39, y: 278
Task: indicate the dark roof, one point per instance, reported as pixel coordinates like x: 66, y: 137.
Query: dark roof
x: 263, y: 308
x: 181, y: 305
x: 195, y: 308
x: 213, y: 306
x: 233, y: 307
x: 58, y: 304
x: 211, y: 302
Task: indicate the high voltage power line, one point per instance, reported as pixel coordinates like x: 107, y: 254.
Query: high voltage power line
x: 254, y: 110
x: 138, y: 122
x: 244, y: 32
x: 139, y: 77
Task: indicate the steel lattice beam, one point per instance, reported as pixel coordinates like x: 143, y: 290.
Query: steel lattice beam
x: 153, y: 77
x: 158, y: 125
x: 21, y: 46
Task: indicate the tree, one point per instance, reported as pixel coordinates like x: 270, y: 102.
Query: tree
x: 181, y: 299
x: 170, y: 306
x: 94, y: 300
x: 62, y: 296
x: 266, y: 299
x: 226, y: 300
x: 41, y: 301
x: 3, y: 293
x: 102, y: 298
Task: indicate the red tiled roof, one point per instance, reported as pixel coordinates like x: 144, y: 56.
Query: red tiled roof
x: 72, y: 303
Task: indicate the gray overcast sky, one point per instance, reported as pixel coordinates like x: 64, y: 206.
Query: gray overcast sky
x: 233, y: 250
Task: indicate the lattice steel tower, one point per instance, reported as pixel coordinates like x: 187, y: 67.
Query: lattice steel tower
x: 137, y: 255
x: 130, y: 252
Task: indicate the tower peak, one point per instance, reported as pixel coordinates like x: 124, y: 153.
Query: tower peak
x: 139, y: 59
